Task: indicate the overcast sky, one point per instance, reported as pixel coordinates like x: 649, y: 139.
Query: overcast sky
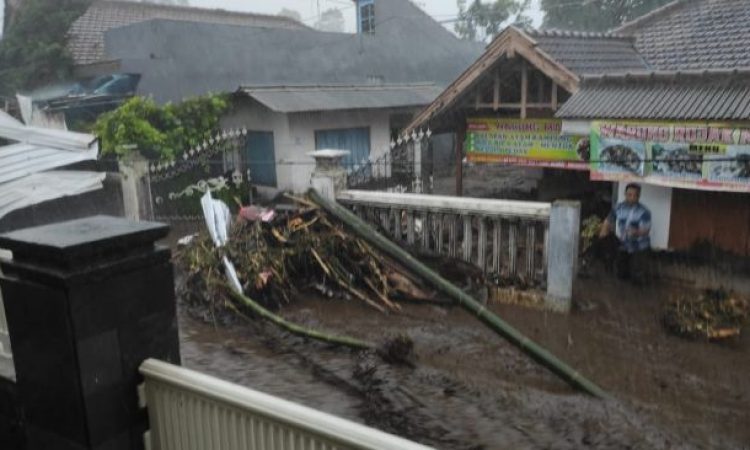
x: 440, y: 10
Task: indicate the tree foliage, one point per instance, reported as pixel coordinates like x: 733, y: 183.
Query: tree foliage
x: 33, y: 49
x: 594, y: 15
x: 159, y: 132
x: 482, y: 21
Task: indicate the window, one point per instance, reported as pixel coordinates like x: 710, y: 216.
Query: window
x: 367, y: 16
x: 355, y: 140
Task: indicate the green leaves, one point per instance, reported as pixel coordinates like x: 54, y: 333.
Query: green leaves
x: 159, y: 132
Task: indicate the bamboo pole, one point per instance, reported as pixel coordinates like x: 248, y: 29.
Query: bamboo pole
x: 515, y: 337
x: 297, y: 329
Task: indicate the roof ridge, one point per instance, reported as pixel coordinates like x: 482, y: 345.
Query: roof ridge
x: 651, y: 15
x: 663, y: 74
x: 147, y: 4
x: 554, y: 32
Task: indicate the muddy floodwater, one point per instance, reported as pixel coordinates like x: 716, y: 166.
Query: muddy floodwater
x: 466, y: 388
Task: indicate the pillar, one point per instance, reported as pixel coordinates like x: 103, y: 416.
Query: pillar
x: 86, y: 302
x: 562, y: 259
x: 329, y: 176
x: 136, y: 189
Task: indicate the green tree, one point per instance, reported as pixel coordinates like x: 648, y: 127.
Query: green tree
x: 33, y: 49
x: 594, y: 15
x: 482, y: 21
x: 159, y: 132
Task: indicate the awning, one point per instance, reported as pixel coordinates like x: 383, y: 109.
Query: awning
x: 292, y: 99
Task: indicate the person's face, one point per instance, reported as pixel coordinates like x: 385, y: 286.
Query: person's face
x: 632, y: 196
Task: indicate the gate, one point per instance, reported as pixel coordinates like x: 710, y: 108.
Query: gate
x: 219, y: 163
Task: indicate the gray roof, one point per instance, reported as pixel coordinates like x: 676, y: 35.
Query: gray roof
x: 692, y: 34
x: 86, y: 35
x: 289, y: 99
x: 590, y: 53
x: 182, y: 59
x: 705, y: 95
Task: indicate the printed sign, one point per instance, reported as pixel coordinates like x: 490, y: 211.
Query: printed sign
x: 530, y: 142
x: 687, y: 155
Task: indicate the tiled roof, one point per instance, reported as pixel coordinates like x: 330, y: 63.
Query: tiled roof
x: 590, y: 53
x: 86, y: 35
x: 694, y: 34
x: 704, y: 95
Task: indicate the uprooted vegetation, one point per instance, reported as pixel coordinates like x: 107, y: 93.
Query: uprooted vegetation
x: 304, y: 250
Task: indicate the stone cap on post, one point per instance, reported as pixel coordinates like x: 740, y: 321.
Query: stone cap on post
x: 329, y: 176
x: 328, y: 159
x: 81, y: 242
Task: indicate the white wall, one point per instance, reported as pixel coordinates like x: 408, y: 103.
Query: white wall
x: 294, y: 136
x: 658, y: 199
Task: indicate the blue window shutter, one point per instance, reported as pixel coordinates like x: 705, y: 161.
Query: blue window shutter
x: 260, y: 158
x: 356, y: 140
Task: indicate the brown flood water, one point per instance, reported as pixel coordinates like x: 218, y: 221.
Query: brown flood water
x: 469, y: 389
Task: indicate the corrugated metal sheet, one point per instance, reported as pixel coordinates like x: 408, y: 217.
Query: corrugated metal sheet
x: 24, y: 179
x: 326, y: 98
x: 40, y: 187
x: 674, y: 96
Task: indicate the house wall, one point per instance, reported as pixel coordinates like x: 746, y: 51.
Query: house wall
x: 294, y: 136
x: 658, y: 200
x: 721, y: 219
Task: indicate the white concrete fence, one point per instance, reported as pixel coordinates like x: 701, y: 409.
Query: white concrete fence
x: 533, y: 241
x: 192, y: 411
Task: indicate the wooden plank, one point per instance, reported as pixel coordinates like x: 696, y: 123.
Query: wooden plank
x: 460, y: 137
x: 441, y: 233
x: 496, y: 90
x: 397, y: 228
x: 452, y: 236
x: 554, y: 96
x: 524, y: 88
x: 512, y: 231
x: 426, y: 230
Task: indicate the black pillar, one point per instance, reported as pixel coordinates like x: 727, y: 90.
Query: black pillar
x: 87, y: 301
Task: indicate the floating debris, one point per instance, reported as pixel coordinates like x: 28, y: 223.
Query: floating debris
x: 714, y: 314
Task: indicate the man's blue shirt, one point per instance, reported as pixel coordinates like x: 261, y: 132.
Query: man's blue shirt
x: 627, y: 217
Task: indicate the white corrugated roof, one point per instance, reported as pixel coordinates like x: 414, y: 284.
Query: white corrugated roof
x: 24, y: 164
x: 40, y: 187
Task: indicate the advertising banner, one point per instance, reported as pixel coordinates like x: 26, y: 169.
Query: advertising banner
x: 713, y: 156
x: 529, y: 142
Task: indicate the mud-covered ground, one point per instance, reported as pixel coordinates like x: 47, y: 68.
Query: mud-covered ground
x: 468, y: 389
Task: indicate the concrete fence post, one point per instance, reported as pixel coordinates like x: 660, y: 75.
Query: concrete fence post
x: 562, y: 259
x: 329, y: 176
x: 87, y: 301
x: 136, y: 188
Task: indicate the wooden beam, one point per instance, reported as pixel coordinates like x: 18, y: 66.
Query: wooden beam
x: 554, y: 95
x: 502, y: 106
x: 496, y: 91
x: 524, y: 87
x: 460, y: 137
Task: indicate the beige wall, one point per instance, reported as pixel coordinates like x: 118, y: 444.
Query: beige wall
x: 294, y: 135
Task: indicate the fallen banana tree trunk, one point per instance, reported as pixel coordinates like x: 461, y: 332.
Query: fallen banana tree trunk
x: 297, y: 329
x: 515, y: 337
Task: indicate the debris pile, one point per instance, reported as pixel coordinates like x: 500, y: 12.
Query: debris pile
x: 713, y: 314
x: 277, y: 255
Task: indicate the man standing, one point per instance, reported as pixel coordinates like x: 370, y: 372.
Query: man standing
x: 631, y: 222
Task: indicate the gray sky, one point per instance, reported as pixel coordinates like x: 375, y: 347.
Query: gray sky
x: 439, y: 9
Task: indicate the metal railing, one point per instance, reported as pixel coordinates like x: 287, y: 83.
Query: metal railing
x: 503, y: 237
x: 189, y: 410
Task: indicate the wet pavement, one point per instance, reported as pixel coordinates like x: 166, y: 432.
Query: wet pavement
x: 466, y: 388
